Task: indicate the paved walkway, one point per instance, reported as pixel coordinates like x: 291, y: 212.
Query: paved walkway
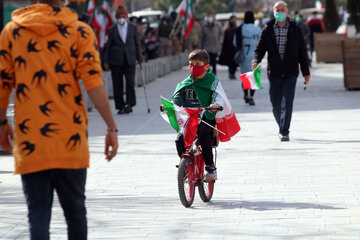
x: 307, y: 188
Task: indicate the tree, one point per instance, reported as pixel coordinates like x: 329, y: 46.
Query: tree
x: 353, y: 7
x: 331, y: 16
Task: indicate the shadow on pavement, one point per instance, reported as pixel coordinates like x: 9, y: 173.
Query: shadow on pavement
x: 268, y: 205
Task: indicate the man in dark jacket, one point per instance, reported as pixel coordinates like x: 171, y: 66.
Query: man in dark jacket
x: 121, y: 52
x: 283, y: 41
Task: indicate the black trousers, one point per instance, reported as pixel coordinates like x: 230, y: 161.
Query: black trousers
x: 117, y: 73
x: 213, y: 57
x: 204, y: 133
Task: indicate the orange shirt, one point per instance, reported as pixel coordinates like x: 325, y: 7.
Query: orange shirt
x: 44, y: 52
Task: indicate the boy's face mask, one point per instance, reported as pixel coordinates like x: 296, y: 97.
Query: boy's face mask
x: 197, y: 70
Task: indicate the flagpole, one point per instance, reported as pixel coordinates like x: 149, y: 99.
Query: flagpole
x: 213, y: 127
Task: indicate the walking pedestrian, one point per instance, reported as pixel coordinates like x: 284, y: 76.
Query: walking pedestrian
x: 246, y: 38
x: 121, y: 52
x: 228, y: 50
x: 46, y: 51
x: 210, y: 39
x: 282, y: 39
x: 316, y: 25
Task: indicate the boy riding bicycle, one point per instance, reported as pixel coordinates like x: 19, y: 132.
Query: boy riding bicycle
x: 194, y: 92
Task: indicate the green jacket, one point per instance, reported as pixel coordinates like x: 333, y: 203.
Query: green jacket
x: 197, y: 92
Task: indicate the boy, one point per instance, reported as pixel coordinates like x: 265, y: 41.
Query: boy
x: 196, y: 91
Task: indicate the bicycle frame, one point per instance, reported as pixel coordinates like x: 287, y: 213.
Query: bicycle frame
x: 196, y: 171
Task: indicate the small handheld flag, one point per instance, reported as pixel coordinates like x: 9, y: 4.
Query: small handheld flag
x: 251, y: 80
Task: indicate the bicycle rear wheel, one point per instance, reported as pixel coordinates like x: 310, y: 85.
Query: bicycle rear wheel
x: 186, y: 183
x: 206, y: 190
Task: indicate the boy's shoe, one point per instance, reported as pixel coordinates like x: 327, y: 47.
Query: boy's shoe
x: 251, y: 101
x: 246, y: 98
x: 211, y: 174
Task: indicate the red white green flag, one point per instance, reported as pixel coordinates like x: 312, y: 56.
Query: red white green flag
x: 251, y: 80
x: 318, y: 5
x: 187, y: 13
x: 90, y: 7
x: 183, y: 120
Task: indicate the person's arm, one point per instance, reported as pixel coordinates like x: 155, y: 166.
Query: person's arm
x: 99, y: 98
x: 7, y: 82
x: 260, y: 50
x: 107, y: 50
x: 179, y: 98
x: 138, y: 46
x: 303, y: 57
x: 90, y: 73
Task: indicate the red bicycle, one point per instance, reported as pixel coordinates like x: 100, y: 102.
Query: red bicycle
x: 191, y: 169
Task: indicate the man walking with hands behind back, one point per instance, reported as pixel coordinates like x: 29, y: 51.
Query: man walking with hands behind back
x: 283, y: 41
x: 121, y: 52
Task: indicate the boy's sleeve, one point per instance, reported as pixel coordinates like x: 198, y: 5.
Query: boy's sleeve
x: 7, y: 75
x: 88, y: 62
x: 178, y: 98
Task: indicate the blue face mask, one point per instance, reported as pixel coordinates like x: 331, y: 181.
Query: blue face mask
x: 280, y: 16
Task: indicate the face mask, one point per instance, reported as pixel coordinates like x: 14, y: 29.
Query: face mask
x: 280, y: 16
x: 121, y: 21
x: 298, y: 19
x: 196, y: 70
x: 210, y: 19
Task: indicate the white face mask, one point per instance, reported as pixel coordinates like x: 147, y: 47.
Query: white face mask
x: 122, y: 21
x: 210, y: 19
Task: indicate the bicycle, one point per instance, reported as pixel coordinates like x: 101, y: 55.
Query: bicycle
x: 191, y: 169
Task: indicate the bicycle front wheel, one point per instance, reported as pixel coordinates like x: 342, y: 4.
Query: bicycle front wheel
x: 206, y: 190
x: 186, y: 183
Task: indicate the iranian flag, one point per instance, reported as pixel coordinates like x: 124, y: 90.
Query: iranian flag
x: 90, y: 7
x: 251, y: 80
x: 183, y: 120
x: 101, y: 21
x: 318, y: 5
x: 187, y: 13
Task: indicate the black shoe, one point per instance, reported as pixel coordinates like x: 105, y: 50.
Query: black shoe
x: 246, y: 99
x: 128, y: 109
x: 284, y: 138
x: 251, y: 101
x: 121, y: 111
x: 232, y: 76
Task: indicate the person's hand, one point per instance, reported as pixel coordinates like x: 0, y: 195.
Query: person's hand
x: 214, y: 105
x: 106, y: 65
x: 162, y: 108
x: 254, y: 65
x: 307, y: 79
x: 6, y: 134
x: 111, y: 145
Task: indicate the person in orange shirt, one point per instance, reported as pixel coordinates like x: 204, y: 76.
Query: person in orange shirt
x: 44, y: 52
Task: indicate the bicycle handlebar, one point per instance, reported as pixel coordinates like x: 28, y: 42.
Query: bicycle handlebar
x: 220, y: 108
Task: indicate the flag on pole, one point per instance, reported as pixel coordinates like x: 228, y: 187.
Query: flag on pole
x: 251, y: 80
x: 171, y: 7
x: 318, y: 5
x: 183, y: 120
x: 90, y: 7
x: 187, y: 13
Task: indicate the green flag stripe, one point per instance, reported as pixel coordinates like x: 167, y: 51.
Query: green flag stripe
x: 257, y: 74
x: 171, y: 113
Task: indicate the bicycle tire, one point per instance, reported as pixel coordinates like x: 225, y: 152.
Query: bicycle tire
x: 185, y: 187
x: 206, y: 190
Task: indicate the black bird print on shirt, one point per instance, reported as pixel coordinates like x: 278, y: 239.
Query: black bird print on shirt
x: 29, y: 147
x: 83, y: 33
x: 47, y: 128
x: 77, y: 118
x: 21, y: 91
x: 73, y: 51
x: 6, y: 85
x: 62, y: 90
x: 31, y: 47
x: 23, y: 128
x: 74, y: 139
x: 16, y: 32
x: 88, y: 56
x: 10, y: 45
x: 93, y: 72
x: 53, y: 44
x: 59, y: 67
x: 63, y: 29
x: 56, y: 10
x: 20, y: 61
x: 5, y: 76
x: 45, y: 109
x: 39, y: 75
x: 78, y: 100
x: 4, y: 54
